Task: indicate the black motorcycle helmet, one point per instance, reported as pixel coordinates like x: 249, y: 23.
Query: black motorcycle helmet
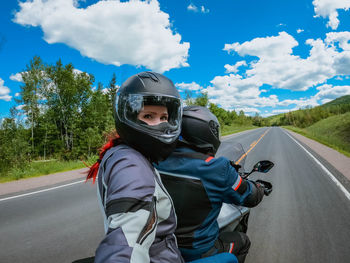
x: 148, y: 88
x: 200, y: 129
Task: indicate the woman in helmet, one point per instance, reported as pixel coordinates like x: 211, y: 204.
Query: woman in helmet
x: 138, y: 213
x: 200, y: 183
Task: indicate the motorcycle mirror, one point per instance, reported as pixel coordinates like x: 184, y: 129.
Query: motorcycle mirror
x: 263, y: 166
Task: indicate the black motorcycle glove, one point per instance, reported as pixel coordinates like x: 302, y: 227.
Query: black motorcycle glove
x: 255, y: 196
x: 236, y: 166
x: 267, y: 186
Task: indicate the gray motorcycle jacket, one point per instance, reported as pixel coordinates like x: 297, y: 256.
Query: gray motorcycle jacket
x: 138, y: 212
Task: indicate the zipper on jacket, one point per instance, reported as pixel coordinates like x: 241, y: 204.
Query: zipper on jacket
x: 153, y: 214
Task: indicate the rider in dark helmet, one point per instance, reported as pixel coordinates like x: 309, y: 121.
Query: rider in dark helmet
x: 199, y: 183
x: 138, y: 213
x: 154, y: 141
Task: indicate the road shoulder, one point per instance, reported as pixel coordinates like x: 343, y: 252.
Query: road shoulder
x: 24, y: 185
x: 338, y: 160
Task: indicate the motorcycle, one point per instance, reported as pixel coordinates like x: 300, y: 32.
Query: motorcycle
x: 231, y: 217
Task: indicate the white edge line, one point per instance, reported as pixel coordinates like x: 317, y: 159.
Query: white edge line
x: 40, y: 191
x: 335, y: 180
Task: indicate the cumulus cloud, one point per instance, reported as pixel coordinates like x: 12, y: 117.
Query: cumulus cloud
x: 299, y: 30
x: 278, y: 111
x: 234, y: 68
x: 111, y: 32
x: 247, y: 110
x: 234, y: 92
x: 194, y: 8
x: 277, y: 67
x: 329, y: 92
x: 4, y: 91
x: 193, y: 86
x: 16, y: 77
x: 329, y: 9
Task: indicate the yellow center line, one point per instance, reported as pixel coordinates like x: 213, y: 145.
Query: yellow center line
x: 252, y: 146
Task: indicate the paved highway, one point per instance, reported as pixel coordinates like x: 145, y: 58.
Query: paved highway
x: 305, y: 219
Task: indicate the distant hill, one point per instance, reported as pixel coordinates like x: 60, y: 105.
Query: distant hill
x: 343, y: 102
x: 338, y: 101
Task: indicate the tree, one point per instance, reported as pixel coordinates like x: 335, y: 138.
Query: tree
x: 202, y: 99
x: 14, y: 146
x: 31, y: 93
x: 112, y: 90
x: 189, y: 101
x: 67, y: 93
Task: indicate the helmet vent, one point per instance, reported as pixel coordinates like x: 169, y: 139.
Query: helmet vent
x: 149, y: 75
x: 214, y: 128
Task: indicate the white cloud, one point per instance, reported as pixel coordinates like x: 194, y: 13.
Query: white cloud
x: 77, y: 71
x: 276, y: 66
x: 111, y: 32
x: 234, y: 68
x: 4, y: 91
x: 300, y: 103
x: 232, y: 92
x: 299, y: 30
x: 329, y: 9
x: 194, y: 8
x: 193, y: 86
x: 17, y: 94
x: 278, y: 111
x: 247, y: 110
x: 328, y: 92
x: 16, y: 77
x: 204, y: 10
x: 20, y: 107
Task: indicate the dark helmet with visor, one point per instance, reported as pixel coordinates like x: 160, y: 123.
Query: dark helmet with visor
x: 148, y: 88
x: 200, y: 129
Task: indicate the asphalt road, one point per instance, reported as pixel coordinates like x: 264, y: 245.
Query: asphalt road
x: 305, y: 219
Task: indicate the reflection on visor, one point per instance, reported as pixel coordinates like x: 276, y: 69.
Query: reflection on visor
x: 132, y: 104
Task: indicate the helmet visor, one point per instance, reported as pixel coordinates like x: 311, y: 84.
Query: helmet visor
x: 130, y: 105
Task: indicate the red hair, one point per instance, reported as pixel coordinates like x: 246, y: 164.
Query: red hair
x: 113, y: 141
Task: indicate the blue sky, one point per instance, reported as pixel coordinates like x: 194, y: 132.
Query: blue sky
x: 264, y: 57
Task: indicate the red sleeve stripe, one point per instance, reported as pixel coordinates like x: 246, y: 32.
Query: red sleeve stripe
x: 209, y: 158
x: 237, y: 183
x: 231, y: 247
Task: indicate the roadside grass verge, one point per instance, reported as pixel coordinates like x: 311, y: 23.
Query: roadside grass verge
x: 227, y: 130
x: 38, y: 168
x: 333, y: 132
x: 41, y: 167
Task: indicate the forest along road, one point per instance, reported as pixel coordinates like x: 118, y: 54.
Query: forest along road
x: 305, y: 219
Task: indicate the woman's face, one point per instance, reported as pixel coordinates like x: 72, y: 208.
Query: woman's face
x: 153, y: 114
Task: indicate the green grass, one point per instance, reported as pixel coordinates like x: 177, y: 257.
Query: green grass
x: 226, y: 130
x: 333, y: 132
x: 38, y: 168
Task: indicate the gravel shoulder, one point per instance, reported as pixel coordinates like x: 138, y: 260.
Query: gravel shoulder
x: 339, y: 161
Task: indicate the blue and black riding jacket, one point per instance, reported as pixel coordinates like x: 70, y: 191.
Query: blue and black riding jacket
x: 199, y: 184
